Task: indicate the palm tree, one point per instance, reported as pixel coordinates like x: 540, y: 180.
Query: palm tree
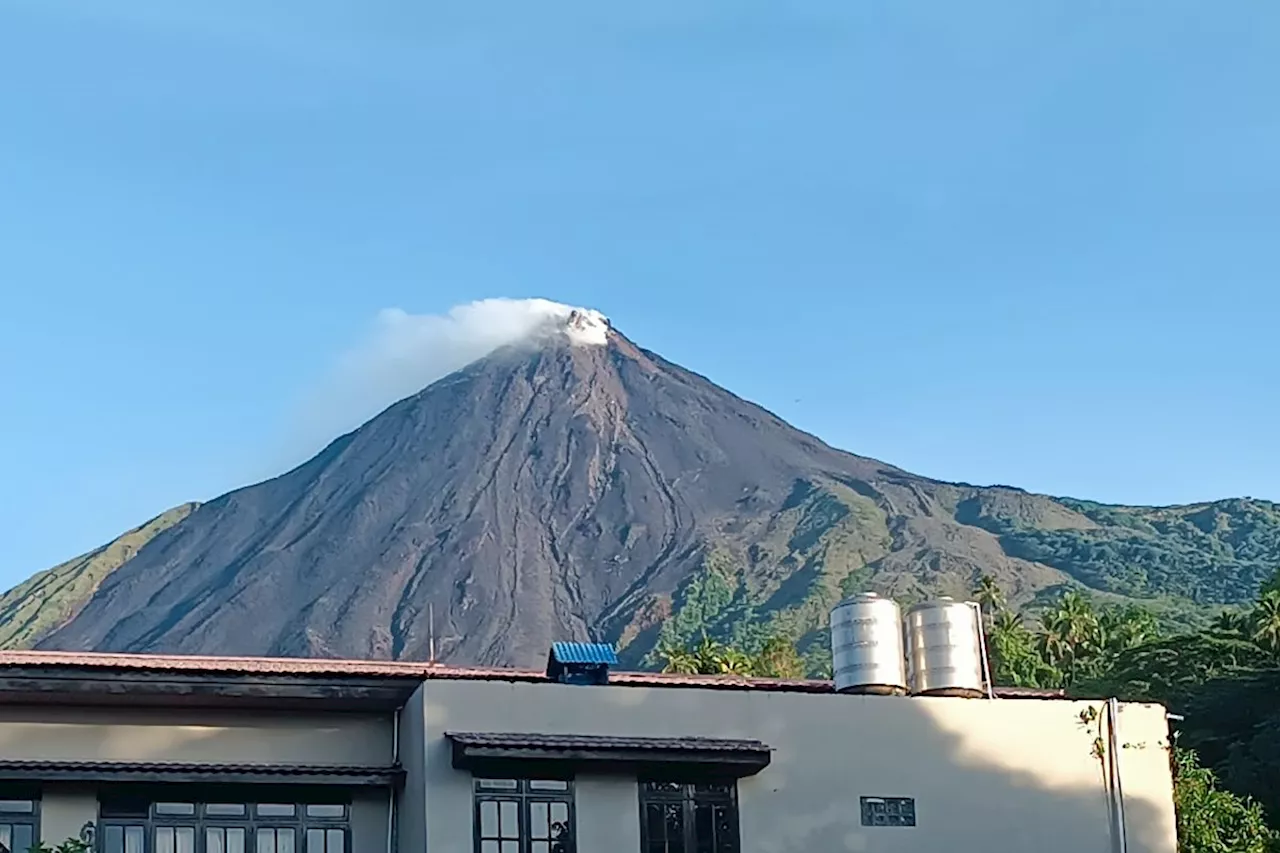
x: 709, y: 657
x: 777, y: 658
x: 677, y: 659
x: 1232, y: 622
x: 1120, y: 629
x: 1072, y: 634
x: 989, y: 596
x: 1017, y: 656
x: 724, y: 660
x: 1007, y: 620
x: 1080, y: 618
x: 1055, y: 649
x: 1265, y: 621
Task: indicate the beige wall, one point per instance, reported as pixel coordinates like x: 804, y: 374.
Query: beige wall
x: 369, y: 821
x: 177, y: 736
x: 411, y: 826
x: 64, y: 809
x: 987, y: 775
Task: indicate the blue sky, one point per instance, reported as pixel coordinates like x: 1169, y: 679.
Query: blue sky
x: 1025, y: 243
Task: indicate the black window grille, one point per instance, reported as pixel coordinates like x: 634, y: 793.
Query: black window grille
x: 137, y: 823
x: 888, y: 811
x: 19, y: 821
x: 524, y: 816
x: 680, y: 817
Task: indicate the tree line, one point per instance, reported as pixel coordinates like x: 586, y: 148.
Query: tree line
x: 1223, y: 681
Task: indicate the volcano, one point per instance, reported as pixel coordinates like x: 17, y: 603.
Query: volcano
x: 573, y: 486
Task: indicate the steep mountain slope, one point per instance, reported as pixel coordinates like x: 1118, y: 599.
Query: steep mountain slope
x: 580, y: 487
x: 48, y: 599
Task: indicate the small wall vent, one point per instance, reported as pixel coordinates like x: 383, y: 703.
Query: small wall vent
x: 580, y: 663
x: 888, y: 811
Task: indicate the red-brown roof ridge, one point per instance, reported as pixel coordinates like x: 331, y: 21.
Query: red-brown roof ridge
x: 332, y: 667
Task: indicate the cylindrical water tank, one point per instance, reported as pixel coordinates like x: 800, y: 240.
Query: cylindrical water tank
x: 866, y: 646
x: 944, y: 649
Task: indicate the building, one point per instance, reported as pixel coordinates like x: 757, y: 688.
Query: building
x: 142, y: 754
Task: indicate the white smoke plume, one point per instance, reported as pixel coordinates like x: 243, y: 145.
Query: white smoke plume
x: 405, y: 352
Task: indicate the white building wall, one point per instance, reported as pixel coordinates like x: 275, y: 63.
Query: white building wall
x: 608, y: 814
x: 64, y: 810
x: 987, y: 775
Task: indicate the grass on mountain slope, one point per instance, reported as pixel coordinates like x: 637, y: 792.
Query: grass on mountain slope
x: 47, y: 600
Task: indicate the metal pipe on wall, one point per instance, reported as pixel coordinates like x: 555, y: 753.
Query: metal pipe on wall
x: 391, y: 791
x: 1113, y: 767
x: 982, y: 649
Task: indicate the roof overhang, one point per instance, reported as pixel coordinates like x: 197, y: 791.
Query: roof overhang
x: 69, y: 685
x: 166, y: 772
x: 670, y: 757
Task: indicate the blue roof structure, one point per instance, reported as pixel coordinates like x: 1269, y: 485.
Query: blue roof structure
x: 580, y: 663
x: 597, y: 653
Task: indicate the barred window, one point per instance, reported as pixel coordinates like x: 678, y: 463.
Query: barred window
x: 679, y: 817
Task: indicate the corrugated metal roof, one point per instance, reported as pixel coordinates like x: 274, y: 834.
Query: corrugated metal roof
x: 191, y: 767
x: 519, y: 740
x: 209, y: 664
x: 584, y: 653
x: 322, y: 668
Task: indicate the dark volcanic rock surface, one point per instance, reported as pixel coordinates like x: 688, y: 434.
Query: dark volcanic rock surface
x: 557, y: 492
x: 539, y: 494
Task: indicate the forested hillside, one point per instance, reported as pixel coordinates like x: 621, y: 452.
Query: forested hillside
x: 1215, y: 553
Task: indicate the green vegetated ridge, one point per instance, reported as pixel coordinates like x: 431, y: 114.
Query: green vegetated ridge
x: 799, y: 563
x: 48, y: 599
x: 1215, y: 553
x: 1184, y: 565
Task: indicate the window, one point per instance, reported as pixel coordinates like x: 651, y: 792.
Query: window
x: 523, y: 816
x: 678, y: 817
x: 275, y: 840
x: 133, y: 822
x: 17, y: 825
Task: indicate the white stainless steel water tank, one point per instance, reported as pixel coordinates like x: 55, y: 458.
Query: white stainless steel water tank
x: 866, y: 646
x: 944, y: 649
